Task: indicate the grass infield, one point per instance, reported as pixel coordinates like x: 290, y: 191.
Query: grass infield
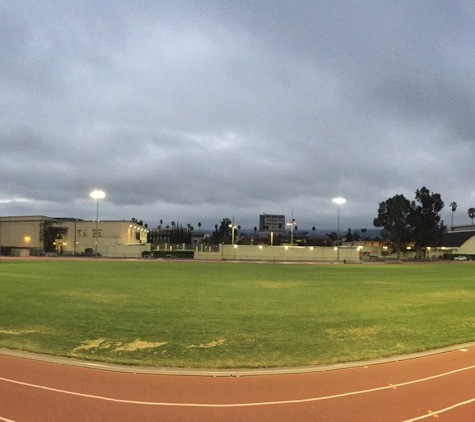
x: 216, y: 315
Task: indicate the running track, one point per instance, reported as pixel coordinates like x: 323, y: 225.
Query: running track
x: 439, y: 387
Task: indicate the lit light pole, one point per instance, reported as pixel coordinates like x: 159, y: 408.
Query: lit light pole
x: 292, y: 225
x: 97, y: 194
x: 339, y: 201
x: 233, y: 227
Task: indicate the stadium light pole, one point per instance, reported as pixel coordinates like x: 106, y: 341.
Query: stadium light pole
x: 233, y: 227
x: 339, y: 201
x: 97, y: 194
x: 292, y: 226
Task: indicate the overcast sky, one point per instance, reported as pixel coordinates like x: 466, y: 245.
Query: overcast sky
x: 193, y: 111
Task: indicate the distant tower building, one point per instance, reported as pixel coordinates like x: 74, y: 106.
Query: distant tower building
x: 272, y: 223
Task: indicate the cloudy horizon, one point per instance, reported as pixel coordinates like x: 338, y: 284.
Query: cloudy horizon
x: 196, y: 111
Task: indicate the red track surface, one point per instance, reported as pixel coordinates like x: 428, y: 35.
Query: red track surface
x: 440, y: 386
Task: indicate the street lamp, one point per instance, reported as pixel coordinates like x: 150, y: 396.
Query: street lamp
x: 97, y: 194
x: 339, y: 201
x: 233, y: 227
x: 292, y: 225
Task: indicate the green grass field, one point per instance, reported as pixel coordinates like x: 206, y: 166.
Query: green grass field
x: 228, y: 315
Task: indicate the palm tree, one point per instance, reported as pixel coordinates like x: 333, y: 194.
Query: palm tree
x: 471, y: 213
x: 199, y: 225
x: 453, y: 207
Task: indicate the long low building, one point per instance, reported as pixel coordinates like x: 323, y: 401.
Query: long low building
x: 460, y: 240
x: 39, y: 235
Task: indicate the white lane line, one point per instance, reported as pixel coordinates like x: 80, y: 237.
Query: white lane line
x: 438, y: 412
x: 5, y: 419
x: 268, y: 403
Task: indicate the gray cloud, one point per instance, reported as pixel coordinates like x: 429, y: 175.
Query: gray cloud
x: 191, y: 111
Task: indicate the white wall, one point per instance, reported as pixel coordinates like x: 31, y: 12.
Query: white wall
x: 123, y: 251
x: 281, y: 253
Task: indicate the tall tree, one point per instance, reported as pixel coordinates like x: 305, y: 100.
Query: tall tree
x: 427, y: 226
x: 394, y: 219
x: 223, y: 231
x: 453, y: 207
x: 349, y: 236
x: 471, y: 213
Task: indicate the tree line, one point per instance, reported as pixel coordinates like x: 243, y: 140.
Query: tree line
x: 404, y: 223
x: 415, y: 223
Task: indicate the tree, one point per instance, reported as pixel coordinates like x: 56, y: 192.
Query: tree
x: 471, y: 213
x: 349, y: 236
x: 393, y: 218
x: 223, y: 231
x: 453, y: 207
x: 427, y: 226
x: 51, y: 237
x: 416, y: 222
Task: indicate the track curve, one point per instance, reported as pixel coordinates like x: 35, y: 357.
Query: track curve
x: 441, y: 385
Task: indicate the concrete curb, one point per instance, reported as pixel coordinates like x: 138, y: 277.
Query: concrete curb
x: 238, y: 372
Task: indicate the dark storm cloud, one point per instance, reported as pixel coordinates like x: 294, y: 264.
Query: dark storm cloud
x: 202, y: 110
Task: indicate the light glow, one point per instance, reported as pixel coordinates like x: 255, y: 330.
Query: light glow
x: 97, y: 194
x: 339, y: 200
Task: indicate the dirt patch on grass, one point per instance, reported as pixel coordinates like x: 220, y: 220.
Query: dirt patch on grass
x: 17, y: 332
x: 208, y: 345
x: 139, y: 345
x: 99, y: 343
x: 102, y: 343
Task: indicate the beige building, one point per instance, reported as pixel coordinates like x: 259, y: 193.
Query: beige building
x: 38, y: 235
